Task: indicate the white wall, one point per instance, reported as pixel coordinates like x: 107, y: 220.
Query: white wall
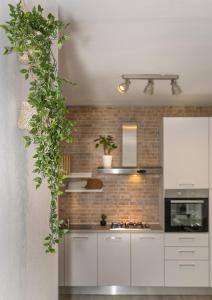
x: 26, y: 272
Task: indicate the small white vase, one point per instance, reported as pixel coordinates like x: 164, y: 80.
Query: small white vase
x: 107, y: 161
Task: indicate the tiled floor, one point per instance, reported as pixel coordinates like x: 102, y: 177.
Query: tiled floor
x: 93, y: 297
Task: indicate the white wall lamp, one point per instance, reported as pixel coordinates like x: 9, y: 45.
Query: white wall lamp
x: 149, y: 88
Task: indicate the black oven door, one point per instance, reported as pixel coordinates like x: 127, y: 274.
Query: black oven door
x: 186, y: 215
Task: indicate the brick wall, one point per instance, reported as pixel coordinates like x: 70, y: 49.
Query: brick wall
x: 124, y: 198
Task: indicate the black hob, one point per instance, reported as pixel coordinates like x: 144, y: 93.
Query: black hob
x: 130, y: 225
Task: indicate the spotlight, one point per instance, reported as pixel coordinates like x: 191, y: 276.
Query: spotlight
x: 123, y: 87
x: 176, y: 90
x: 149, y: 88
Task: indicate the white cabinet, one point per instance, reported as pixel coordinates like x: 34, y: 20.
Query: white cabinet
x: 210, y: 153
x: 186, y: 260
x: 147, y: 259
x: 61, y: 261
x: 186, y: 273
x: 81, y: 259
x: 185, y: 152
x: 114, y: 259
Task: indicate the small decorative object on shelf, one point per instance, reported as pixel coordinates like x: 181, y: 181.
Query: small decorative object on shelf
x: 66, y: 162
x: 103, y: 221
x: 107, y: 142
x: 94, y: 184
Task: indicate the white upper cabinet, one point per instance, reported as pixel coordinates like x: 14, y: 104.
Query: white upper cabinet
x: 81, y: 259
x: 114, y: 259
x: 185, y: 152
x: 210, y: 153
x: 147, y: 259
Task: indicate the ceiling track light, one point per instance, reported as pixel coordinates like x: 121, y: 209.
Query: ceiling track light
x: 149, y: 88
x: 176, y: 90
x: 123, y: 87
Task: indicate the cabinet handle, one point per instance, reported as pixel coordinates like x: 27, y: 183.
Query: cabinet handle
x: 80, y: 237
x: 186, y: 238
x: 186, y: 265
x: 147, y: 238
x: 113, y: 238
x: 186, y: 251
x: 186, y: 184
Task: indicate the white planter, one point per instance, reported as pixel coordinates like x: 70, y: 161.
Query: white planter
x: 107, y: 161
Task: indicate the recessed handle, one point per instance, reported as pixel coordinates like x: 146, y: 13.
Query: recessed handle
x: 187, y: 184
x: 186, y: 251
x: 187, y: 265
x: 113, y: 238
x: 186, y: 238
x: 147, y: 238
x: 80, y: 237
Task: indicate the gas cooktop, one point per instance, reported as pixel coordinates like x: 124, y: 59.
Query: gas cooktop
x: 130, y: 225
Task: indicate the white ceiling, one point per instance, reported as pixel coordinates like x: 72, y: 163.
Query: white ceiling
x: 115, y: 37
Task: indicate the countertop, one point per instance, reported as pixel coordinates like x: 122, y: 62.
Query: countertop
x: 97, y: 228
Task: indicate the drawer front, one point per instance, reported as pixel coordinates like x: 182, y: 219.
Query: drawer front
x: 189, y: 253
x: 186, y: 239
x: 187, y: 273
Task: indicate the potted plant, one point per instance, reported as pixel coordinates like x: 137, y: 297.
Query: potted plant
x: 103, y: 221
x: 107, y: 142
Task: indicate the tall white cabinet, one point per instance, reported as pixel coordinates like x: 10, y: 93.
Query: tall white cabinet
x: 185, y: 153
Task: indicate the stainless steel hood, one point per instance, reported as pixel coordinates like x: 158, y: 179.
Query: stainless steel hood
x: 129, y: 155
x: 131, y: 171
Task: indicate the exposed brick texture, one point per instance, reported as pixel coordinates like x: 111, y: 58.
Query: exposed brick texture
x: 124, y: 198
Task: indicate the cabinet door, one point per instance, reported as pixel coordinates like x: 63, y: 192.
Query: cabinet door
x: 185, y: 153
x: 147, y: 252
x: 113, y: 259
x: 210, y: 153
x: 187, y: 273
x: 61, y: 261
x: 81, y: 259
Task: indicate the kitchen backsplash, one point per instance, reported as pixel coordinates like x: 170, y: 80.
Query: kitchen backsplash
x: 124, y: 198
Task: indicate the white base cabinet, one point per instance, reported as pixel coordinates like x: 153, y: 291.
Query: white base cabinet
x: 147, y: 259
x: 81, y: 259
x: 186, y: 260
x: 114, y: 259
x: 187, y: 273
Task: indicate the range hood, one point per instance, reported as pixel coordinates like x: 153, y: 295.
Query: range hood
x: 129, y: 155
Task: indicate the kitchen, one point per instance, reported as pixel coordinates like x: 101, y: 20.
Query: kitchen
x: 125, y: 257
x: 112, y: 199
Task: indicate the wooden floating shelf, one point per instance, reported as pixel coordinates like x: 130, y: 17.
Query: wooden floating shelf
x: 79, y: 175
x: 83, y: 190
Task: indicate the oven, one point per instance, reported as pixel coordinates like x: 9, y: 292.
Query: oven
x: 186, y: 210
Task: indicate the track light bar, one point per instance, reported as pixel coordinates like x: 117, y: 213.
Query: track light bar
x: 149, y: 89
x: 150, y: 76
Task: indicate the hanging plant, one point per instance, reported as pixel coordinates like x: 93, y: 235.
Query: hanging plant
x: 32, y: 35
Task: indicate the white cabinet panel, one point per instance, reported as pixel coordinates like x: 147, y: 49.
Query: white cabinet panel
x: 210, y: 153
x: 187, y: 253
x: 185, y: 153
x: 81, y: 259
x: 147, y: 259
x: 61, y: 261
x: 187, y: 273
x: 186, y: 239
x: 114, y: 259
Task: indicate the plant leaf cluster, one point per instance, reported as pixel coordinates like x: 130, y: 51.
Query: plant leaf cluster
x: 107, y: 142
x: 31, y: 33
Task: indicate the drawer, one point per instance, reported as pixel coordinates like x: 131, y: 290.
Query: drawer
x: 186, y: 239
x: 188, y: 253
x: 187, y: 273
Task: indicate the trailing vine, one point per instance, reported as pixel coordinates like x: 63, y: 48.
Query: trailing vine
x: 33, y: 35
